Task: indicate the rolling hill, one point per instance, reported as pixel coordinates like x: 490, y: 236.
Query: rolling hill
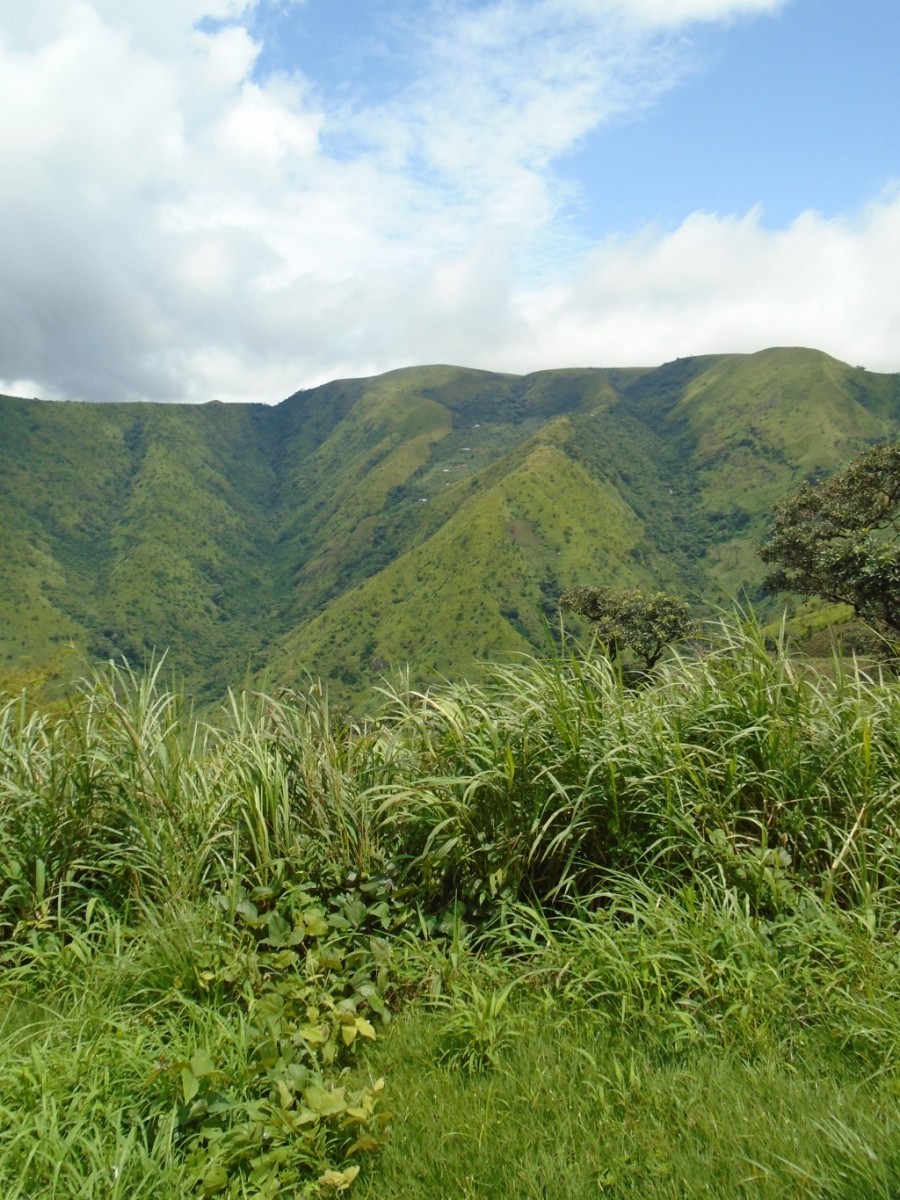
x: 431, y: 515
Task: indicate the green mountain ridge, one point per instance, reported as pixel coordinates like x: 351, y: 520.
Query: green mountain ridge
x: 428, y: 516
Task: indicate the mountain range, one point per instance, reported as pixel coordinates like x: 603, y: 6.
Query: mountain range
x: 429, y: 516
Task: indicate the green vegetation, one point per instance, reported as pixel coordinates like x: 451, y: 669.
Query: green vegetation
x: 837, y: 540
x: 532, y: 933
x: 643, y: 624
x: 430, y: 516
x: 540, y: 935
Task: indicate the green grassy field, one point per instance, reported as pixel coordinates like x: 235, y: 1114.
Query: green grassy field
x: 544, y: 935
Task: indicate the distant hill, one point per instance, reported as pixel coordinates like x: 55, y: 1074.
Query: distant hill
x: 430, y: 515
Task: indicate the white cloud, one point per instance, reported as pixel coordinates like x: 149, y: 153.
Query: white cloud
x: 226, y: 56
x: 179, y: 228
x: 667, y: 13
x: 27, y: 388
x: 729, y: 284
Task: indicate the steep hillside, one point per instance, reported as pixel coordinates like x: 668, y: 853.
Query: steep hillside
x: 133, y: 529
x: 431, y: 515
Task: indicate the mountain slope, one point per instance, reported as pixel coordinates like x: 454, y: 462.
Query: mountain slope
x: 429, y: 515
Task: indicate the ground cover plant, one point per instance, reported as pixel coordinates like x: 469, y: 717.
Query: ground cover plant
x: 543, y: 935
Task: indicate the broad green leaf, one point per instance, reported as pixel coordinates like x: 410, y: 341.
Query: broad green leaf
x: 281, y: 960
x: 202, y: 1063
x: 360, y: 1113
x: 279, y: 930
x: 315, y: 923
x: 313, y: 1035
x: 215, y: 1179
x: 364, y: 1144
x: 339, y: 1181
x: 323, y: 1101
x: 190, y: 1085
x: 331, y: 959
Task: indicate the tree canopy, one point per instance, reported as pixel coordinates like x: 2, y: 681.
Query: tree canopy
x: 633, y: 620
x: 838, y: 539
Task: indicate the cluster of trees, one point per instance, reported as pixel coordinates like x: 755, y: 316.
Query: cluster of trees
x: 838, y: 540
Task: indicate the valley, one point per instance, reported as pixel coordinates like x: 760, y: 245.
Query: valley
x: 430, y: 516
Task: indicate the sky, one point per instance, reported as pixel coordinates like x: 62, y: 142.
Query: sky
x: 236, y: 199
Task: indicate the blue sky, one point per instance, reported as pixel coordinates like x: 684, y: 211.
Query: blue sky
x: 237, y: 198
x: 795, y: 111
x: 798, y: 109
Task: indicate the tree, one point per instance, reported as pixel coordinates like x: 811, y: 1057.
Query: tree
x: 839, y: 539
x: 637, y: 621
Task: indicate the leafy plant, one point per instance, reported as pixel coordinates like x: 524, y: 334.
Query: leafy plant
x: 477, y: 1027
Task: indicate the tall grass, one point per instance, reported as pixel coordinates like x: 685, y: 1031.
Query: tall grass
x: 296, y: 780
x: 201, y: 920
x: 104, y: 800
x: 739, y: 762
x: 535, y: 784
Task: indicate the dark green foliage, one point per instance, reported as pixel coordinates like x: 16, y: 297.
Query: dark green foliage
x: 838, y: 539
x: 642, y: 623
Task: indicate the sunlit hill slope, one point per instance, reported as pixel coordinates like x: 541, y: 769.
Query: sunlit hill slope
x: 431, y: 515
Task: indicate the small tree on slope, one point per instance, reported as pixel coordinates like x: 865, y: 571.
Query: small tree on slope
x: 637, y: 621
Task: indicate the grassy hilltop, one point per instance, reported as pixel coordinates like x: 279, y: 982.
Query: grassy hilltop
x: 431, y: 515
